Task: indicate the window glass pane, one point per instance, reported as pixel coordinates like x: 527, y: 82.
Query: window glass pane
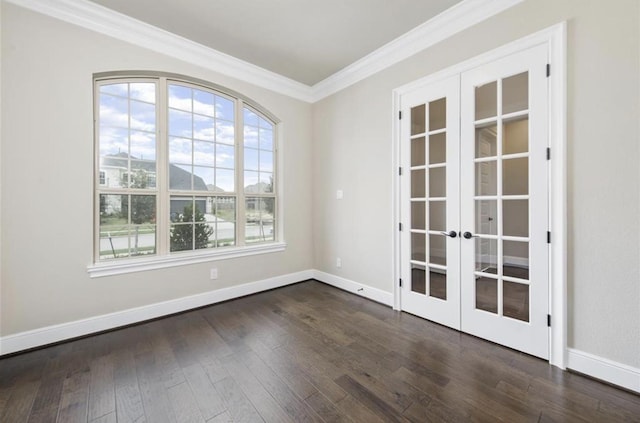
x: 251, y: 180
x: 143, y: 147
x: 418, y: 215
x: 114, y: 111
x: 117, y: 89
x: 515, y: 93
x: 263, y: 123
x: 515, y: 176
x: 438, y: 283
x: 515, y: 300
x: 438, y: 249
x: 487, y: 294
x: 487, y: 101
x: 180, y: 150
x: 180, y: 177
x: 143, y: 116
x: 438, y: 148
x: 486, y: 217
x: 266, y: 161
x: 260, y: 214
x: 181, y: 237
x: 266, y: 182
x: 515, y: 217
x: 515, y: 261
x: 250, y: 118
x: 251, y: 159
x: 143, y: 91
x: 225, y: 180
x: 418, y: 123
x: 225, y: 132
x: 204, y: 128
x: 114, y: 226
x: 204, y: 153
x: 180, y: 98
x: 225, y: 156
x: 418, y: 280
x: 515, y: 135
x: 266, y: 139
x: 437, y: 182
x: 203, y: 103
x: 251, y: 137
x: 438, y: 114
x: 418, y: 247
x: 486, y: 145
x: 437, y: 215
x: 143, y: 216
x: 225, y: 217
x: 224, y: 108
x: 203, y: 178
x: 180, y: 124
x: 418, y: 185
x: 486, y: 255
x: 486, y: 178
x: 418, y: 152
x: 113, y: 140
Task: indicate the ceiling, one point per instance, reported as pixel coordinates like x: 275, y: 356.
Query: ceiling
x: 305, y: 40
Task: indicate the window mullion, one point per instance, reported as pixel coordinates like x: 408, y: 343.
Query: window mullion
x: 162, y: 182
x: 240, y: 202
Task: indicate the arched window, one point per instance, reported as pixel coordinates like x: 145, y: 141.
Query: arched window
x: 182, y: 168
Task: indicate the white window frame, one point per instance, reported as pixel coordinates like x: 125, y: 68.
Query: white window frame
x: 163, y: 258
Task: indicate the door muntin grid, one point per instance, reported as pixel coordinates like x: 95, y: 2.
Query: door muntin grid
x: 429, y: 199
x: 502, y: 197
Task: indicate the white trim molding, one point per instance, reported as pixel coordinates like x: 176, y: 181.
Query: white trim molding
x: 360, y: 289
x: 105, y: 21
x: 448, y: 23
x: 619, y: 374
x: 108, y: 22
x: 51, y: 334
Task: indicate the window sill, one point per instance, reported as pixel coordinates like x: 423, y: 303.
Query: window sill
x: 120, y: 267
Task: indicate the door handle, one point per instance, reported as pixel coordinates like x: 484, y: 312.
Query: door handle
x: 469, y: 235
x: 452, y: 234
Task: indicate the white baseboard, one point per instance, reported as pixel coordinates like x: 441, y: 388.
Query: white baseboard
x: 625, y: 376
x: 56, y: 333
x: 366, y: 291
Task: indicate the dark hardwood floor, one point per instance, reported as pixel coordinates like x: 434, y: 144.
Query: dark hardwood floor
x: 306, y: 352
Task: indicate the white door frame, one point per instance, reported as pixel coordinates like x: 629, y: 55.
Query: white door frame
x: 555, y: 38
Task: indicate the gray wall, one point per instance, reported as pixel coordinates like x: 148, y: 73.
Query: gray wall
x: 47, y: 163
x: 352, y: 151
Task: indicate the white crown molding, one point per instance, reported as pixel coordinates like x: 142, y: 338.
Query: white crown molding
x: 448, y: 23
x: 113, y: 24
x: 108, y: 22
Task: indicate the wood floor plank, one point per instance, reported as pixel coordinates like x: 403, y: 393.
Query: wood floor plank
x: 129, y: 406
x: 75, y: 397
x: 368, y: 399
x: 209, y: 401
x: 263, y: 400
x: 304, y: 352
x: 102, y: 393
x: 238, y: 406
x: 18, y: 406
x: 184, y: 404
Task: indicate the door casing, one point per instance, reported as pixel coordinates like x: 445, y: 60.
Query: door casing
x: 555, y: 40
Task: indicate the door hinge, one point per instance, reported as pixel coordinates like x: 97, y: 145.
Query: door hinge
x: 400, y: 114
x: 401, y: 283
x: 400, y: 227
x: 548, y: 153
x: 548, y: 70
x: 548, y: 237
x: 400, y: 171
x: 548, y: 320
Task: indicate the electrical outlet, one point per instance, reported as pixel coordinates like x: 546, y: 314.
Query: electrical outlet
x: 338, y: 262
x: 339, y: 194
x: 213, y: 273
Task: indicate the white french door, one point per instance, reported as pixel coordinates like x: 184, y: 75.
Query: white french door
x: 474, y: 247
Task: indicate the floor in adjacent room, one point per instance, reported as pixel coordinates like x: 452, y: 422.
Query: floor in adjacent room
x: 306, y: 352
